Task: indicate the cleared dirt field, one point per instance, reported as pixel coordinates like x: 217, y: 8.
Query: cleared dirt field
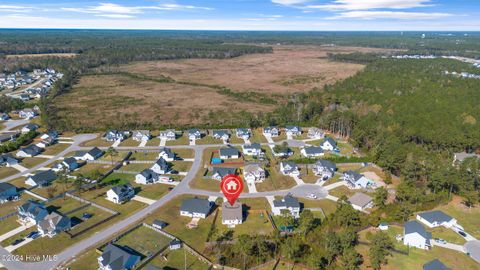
x: 10, y: 56
x: 288, y: 69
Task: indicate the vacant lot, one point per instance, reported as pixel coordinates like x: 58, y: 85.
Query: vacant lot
x: 288, y: 69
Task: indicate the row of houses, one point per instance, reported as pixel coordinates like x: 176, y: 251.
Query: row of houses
x: 162, y: 166
x: 48, y: 223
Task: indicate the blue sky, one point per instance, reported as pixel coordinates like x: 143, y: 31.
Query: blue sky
x: 448, y: 15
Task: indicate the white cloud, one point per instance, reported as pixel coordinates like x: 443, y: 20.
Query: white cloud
x: 14, y: 8
x: 370, y: 15
x: 371, y: 4
x: 289, y: 2
x: 115, y: 16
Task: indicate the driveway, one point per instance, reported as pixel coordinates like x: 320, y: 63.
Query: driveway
x: 335, y: 185
x: 451, y: 246
x: 10, y: 124
x: 473, y: 248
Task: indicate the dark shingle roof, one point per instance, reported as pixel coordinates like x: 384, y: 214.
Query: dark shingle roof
x: 229, y: 151
x: 122, y: 189
x: 44, y: 177
x: 287, y: 201
x: 116, y: 257
x: 95, y: 152
x: 223, y: 171
x: 32, y: 150
x: 435, y: 216
x: 6, y: 186
x: 313, y: 150
x: 435, y: 265
x: 327, y: 164
x: 415, y: 227
x: 196, y: 205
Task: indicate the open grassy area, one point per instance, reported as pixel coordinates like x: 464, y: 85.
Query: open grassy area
x: 52, y: 190
x: 88, y: 169
x: 85, y: 261
x: 257, y: 136
x: 184, y: 153
x: 254, y: 223
x: 144, y: 240
x: 99, y: 142
x: 281, y: 137
x: 55, y: 149
x: 138, y: 155
x: 19, y: 182
x: 153, y: 142
x: 308, y: 176
x: 181, y: 166
x: 342, y: 190
x: 97, y: 216
x: 448, y: 235
x: 136, y: 167
x: 154, y: 192
x: 129, y: 142
x: 208, y: 139
x: 11, y: 206
x: 182, y: 140
x: 8, y: 224
x: 176, y: 259
x: 467, y: 217
x: 31, y: 162
x: 327, y: 206
x: 7, y: 171
x: 64, y: 205
x: 342, y: 167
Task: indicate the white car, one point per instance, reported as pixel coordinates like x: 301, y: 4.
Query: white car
x: 312, y: 196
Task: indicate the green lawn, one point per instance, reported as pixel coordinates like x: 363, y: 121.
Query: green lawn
x: 7, y: 171
x: 136, y: 167
x: 327, y: 206
x: 8, y: 224
x: 52, y: 190
x: 308, y: 176
x: 342, y: 190
x: 280, y: 137
x: 144, y: 240
x: 97, y: 216
x: 448, y: 235
x: 154, y: 192
x: 129, y: 142
x: 144, y: 156
x: 31, y: 162
x: 257, y: 136
x: 254, y: 223
x: 153, y: 142
x: 55, y: 149
x: 88, y: 169
x: 183, y: 140
x: 85, y: 261
x: 346, y: 167
x: 19, y: 182
x: 64, y: 205
x: 208, y: 140
x: 176, y: 259
x: 181, y: 166
x: 467, y: 217
x: 99, y: 142
x: 184, y: 153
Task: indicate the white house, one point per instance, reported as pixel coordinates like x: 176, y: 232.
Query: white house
x: 146, y: 177
x: 219, y: 172
x: 416, y: 236
x: 312, y: 152
x: 232, y: 215
x: 167, y: 154
x: 116, y: 135
x: 53, y: 224
x: 121, y: 193
x: 196, y: 208
x: 141, y: 135
x: 29, y: 127
x: 92, y: 154
x: 436, y: 218
x: 29, y: 151
x: 31, y: 212
x: 161, y: 166
x: 329, y: 145
x: 194, y: 134
x: 315, y: 133
x: 168, y: 135
x: 69, y: 164
x: 293, y: 130
x: 27, y: 113
x: 254, y: 173
x: 361, y: 201
x: 41, y: 179
x: 271, y: 131
x: 355, y: 180
x: 383, y: 226
x: 324, y: 168
x: 221, y: 134
x: 243, y: 133
x: 289, y: 168
x: 229, y: 153
x: 253, y: 149
x: 288, y: 203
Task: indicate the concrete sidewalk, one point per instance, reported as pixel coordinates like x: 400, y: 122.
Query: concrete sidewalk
x: 19, y: 168
x: 116, y: 143
x: 142, y: 144
x: 451, y: 246
x: 298, y: 180
x: 143, y: 200
x: 15, y: 231
x: 163, y: 142
x: 335, y: 185
x: 251, y: 187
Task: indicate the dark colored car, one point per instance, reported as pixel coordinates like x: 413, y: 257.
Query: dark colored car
x: 18, y: 241
x: 87, y: 216
x: 462, y: 233
x: 33, y: 235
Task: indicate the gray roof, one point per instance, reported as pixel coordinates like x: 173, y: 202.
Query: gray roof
x: 147, y: 173
x: 220, y: 132
x: 293, y: 128
x: 287, y: 201
x: 6, y: 186
x: 31, y: 126
x: 168, y: 151
x: 312, y: 150
x: 160, y: 223
x: 196, y: 205
x: 70, y: 161
x: 7, y: 158
x: 435, y: 216
x: 162, y: 163
x: 95, y: 152
x: 232, y: 212
x: 194, y: 130
x: 268, y: 129
x: 435, y: 265
x: 415, y: 227
x: 117, y: 257
x: 326, y: 164
x: 37, y: 210
x: 360, y: 199
x: 32, y: 150
x: 252, y: 146
x: 228, y: 151
x: 223, y: 171
x: 331, y: 141
x: 291, y: 164
x: 122, y: 189
x: 43, y: 178
x: 355, y: 175
x: 242, y: 131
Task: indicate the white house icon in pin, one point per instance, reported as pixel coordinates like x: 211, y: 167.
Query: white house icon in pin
x: 232, y: 186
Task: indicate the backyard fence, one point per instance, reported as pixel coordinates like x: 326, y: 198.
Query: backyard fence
x: 8, y: 215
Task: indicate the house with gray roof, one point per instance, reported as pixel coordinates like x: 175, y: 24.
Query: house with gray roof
x: 356, y: 180
x: 69, y: 164
x: 232, y: 215
x: 312, y: 152
x: 8, y: 136
x: 254, y: 149
x: 159, y: 224
x: 146, y: 177
x: 436, y: 218
x: 315, y: 133
x: 121, y: 193
x: 115, y: 257
x: 329, y: 144
x: 8, y: 160
x: 271, y: 131
x: 29, y: 127
x: 196, y: 208
x: 31, y: 212
x: 254, y: 173
x: 221, y: 134
x: 115, y: 135
x: 289, y: 168
x: 229, y: 153
x: 324, y: 168
x: 293, y: 130
x: 8, y: 192
x: 435, y: 265
x: 169, y: 135
x: 361, y: 201
x: 141, y: 135
x: 287, y: 203
x: 92, y: 154
x: 53, y: 224
x: 415, y: 235
x: 243, y: 133
x: 194, y: 134
x: 29, y: 151
x: 167, y: 154
x: 219, y: 172
x: 41, y: 179
x: 161, y: 166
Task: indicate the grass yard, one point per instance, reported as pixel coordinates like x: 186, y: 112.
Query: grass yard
x: 64, y: 205
x: 308, y: 176
x: 55, y: 149
x: 281, y: 137
x: 7, y: 171
x: 144, y: 156
x: 448, y: 235
x: 206, y: 184
x: 118, y: 157
x: 181, y: 166
x: 11, y: 206
x: 153, y: 142
x: 234, y: 139
x: 8, y: 224
x: 342, y: 167
x: 19, y: 182
x: 184, y: 153
x: 183, y: 140
x: 275, y: 181
x: 99, y: 142
x: 342, y: 190
x: 254, y: 222
x: 334, y: 179
x: 88, y: 169
x: 175, y: 259
x: 136, y: 167
x: 208, y: 139
x: 129, y: 142
x: 257, y: 136
x: 327, y: 206
x: 31, y: 162
x: 144, y: 240
x: 154, y: 192
x: 52, y: 190
x: 467, y: 217
x: 97, y: 216
x: 345, y: 148
x: 85, y: 261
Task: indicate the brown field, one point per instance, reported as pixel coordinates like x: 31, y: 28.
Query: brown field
x: 9, y: 56
x: 288, y: 69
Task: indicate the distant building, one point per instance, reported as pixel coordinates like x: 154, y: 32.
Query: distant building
x: 329, y: 145
x: 141, y: 135
x: 159, y: 224
x: 243, y: 133
x: 167, y: 154
x: 161, y: 166
x: 221, y: 134
x: 175, y: 244
x: 29, y: 151
x: 168, y: 135
x: 315, y: 133
x: 92, y: 154
x: 435, y: 265
x: 271, y: 131
x: 194, y: 134
x: 360, y: 201
x: 293, y: 130
x: 232, y: 215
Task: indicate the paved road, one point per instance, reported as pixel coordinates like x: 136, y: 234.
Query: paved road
x: 10, y: 124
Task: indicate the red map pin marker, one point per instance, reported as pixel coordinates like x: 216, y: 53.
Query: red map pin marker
x: 231, y: 186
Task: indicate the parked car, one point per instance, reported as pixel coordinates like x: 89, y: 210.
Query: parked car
x: 312, y: 196
x: 87, y: 216
x: 462, y: 233
x: 33, y: 235
x: 440, y: 240
x: 17, y: 241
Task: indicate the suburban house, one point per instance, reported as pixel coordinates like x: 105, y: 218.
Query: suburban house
x: 31, y: 212
x: 69, y: 164
x: 361, y: 201
x: 289, y: 168
x: 117, y: 258
x: 168, y: 135
x: 232, y: 214
x: 355, y: 180
x: 54, y: 223
x: 436, y: 218
x: 219, y: 172
x: 254, y: 173
x: 167, y: 154
x: 383, y: 226
x: 27, y: 113
x: 8, y: 160
x: 115, y: 135
x: 92, y: 154
x: 329, y: 145
x: 159, y: 224
x: 254, y: 149
x: 312, y: 152
x: 293, y: 130
x: 175, y: 244
x: 271, y: 131
x: 196, y: 208
x: 146, y: 177
x: 8, y: 192
x: 29, y: 127
x: 141, y: 135
x: 45, y: 142
x: 29, y: 151
x: 121, y: 193
x: 315, y: 133
x: 41, y: 179
x: 194, y: 134
x: 416, y: 236
x: 25, y: 97
x: 50, y: 134
x: 161, y: 166
x: 435, y: 265
x: 221, y: 134
x: 229, y: 153
x: 8, y: 136
x: 324, y: 168
x: 243, y: 133
x: 4, y: 117
x: 460, y: 157
x: 288, y: 203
